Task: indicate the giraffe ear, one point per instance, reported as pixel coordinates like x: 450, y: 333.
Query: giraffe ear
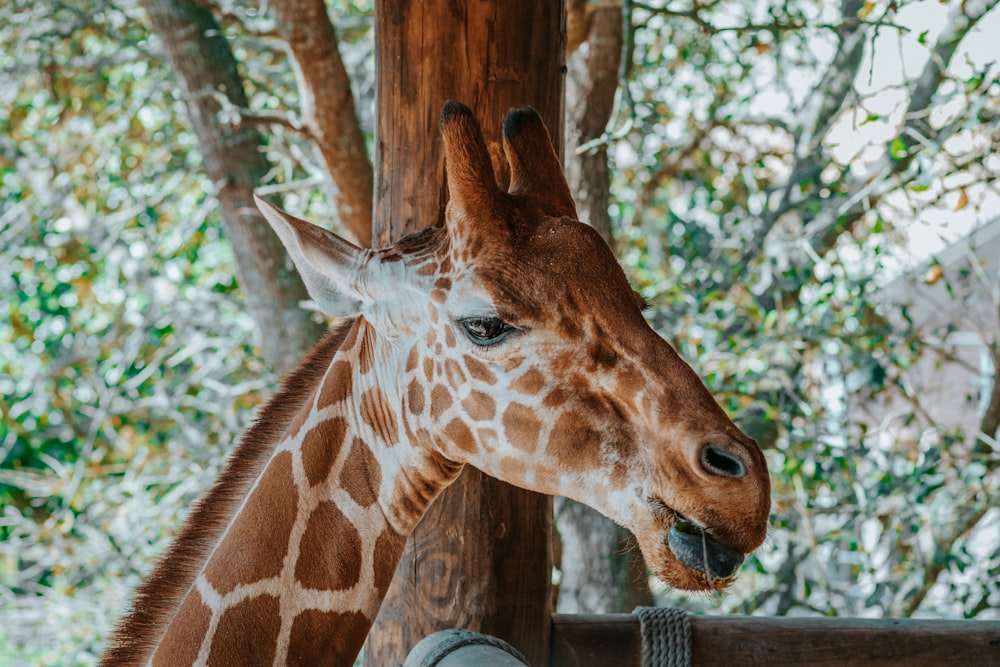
x: 534, y: 166
x: 328, y: 264
x: 472, y: 185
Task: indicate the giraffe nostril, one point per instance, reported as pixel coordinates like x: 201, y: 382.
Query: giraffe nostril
x: 718, y: 461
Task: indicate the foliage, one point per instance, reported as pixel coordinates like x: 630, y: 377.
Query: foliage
x: 736, y: 209
x: 124, y: 364
x: 127, y: 367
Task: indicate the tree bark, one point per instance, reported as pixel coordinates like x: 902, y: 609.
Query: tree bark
x: 205, y: 68
x: 604, y: 571
x: 591, y: 83
x: 327, y: 108
x: 480, y: 558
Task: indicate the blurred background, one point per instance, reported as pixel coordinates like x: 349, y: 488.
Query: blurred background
x: 806, y: 192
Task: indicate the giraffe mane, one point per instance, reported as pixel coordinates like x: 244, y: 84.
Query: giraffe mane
x: 159, y: 596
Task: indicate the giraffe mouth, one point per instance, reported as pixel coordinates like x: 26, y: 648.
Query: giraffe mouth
x: 693, y: 546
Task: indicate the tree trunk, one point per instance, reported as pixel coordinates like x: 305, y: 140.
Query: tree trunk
x: 205, y: 68
x: 603, y: 571
x: 591, y: 83
x: 480, y: 558
x: 327, y: 108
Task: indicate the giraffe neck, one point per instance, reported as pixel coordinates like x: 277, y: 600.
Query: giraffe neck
x: 306, y: 555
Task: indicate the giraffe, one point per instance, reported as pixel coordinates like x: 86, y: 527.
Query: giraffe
x: 507, y: 339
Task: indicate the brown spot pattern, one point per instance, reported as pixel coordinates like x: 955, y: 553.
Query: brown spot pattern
x: 521, y: 426
x: 247, y: 633
x: 338, y: 386
x: 514, y: 469
x: 479, y: 406
x: 255, y: 545
x: 556, y: 397
x: 602, y: 356
x: 454, y: 372
x: 449, y: 338
x: 379, y: 415
x: 531, y: 382
x: 362, y: 475
x: 183, y: 639
x: 415, y: 397
x: 319, y: 566
x: 298, y: 422
x: 574, y: 443
x: 628, y: 387
x: 352, y: 337
x: 320, y: 448
x: 479, y: 370
x: 511, y: 363
x: 459, y: 433
x: 366, y: 352
x: 388, y: 548
x: 440, y: 401
x: 428, y: 369
x: 412, y: 358
x: 326, y: 637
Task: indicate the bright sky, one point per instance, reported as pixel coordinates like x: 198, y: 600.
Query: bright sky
x: 901, y: 57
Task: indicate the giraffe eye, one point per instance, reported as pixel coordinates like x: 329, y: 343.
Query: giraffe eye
x: 485, y: 330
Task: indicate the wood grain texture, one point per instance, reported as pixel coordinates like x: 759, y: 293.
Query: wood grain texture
x: 614, y: 639
x: 489, y: 55
x: 481, y: 557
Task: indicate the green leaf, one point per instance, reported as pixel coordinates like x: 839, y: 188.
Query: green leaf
x: 897, y: 149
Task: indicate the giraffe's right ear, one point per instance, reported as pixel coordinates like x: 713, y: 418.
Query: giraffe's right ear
x: 472, y: 185
x: 330, y: 266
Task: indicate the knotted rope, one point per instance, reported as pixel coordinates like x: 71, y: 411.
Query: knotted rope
x: 666, y: 636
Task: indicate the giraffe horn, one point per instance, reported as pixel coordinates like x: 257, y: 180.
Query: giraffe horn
x: 534, y: 166
x: 472, y: 185
x: 330, y: 266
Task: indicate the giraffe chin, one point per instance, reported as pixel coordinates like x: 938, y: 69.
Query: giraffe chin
x: 689, y: 567
x: 688, y: 558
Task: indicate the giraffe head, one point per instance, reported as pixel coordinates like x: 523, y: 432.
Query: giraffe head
x: 511, y: 340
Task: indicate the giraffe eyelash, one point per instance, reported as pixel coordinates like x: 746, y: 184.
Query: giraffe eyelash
x: 485, y: 330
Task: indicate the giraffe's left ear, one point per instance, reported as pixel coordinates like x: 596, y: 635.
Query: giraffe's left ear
x: 534, y: 166
x: 330, y: 266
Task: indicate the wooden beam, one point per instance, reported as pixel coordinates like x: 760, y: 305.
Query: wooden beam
x: 614, y: 639
x: 480, y: 559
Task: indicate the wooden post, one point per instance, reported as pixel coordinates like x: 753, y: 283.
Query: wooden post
x: 480, y: 559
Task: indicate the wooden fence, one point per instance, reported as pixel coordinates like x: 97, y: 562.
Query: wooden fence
x: 614, y: 639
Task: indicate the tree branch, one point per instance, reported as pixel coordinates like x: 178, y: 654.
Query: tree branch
x: 822, y: 105
x: 327, y: 110
x: 232, y: 159
x: 934, y: 570
x: 842, y: 212
x: 849, y: 22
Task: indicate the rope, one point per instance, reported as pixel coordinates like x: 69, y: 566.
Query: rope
x: 666, y: 636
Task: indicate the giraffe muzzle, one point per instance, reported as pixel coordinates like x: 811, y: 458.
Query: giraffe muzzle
x: 696, y: 549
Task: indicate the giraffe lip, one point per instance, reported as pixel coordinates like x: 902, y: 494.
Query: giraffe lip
x: 696, y: 549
